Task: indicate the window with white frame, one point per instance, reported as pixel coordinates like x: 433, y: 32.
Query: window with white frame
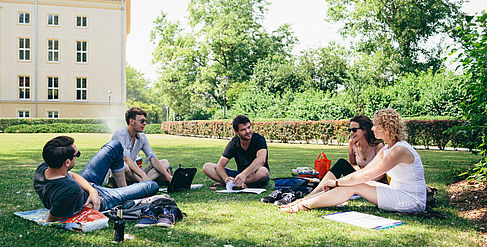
x: 23, y: 113
x: 24, y: 18
x: 52, y: 20
x: 53, y: 50
x: 81, y: 21
x: 24, y: 87
x: 81, y: 51
x: 52, y: 88
x: 52, y: 114
x: 24, y: 49
x: 81, y: 88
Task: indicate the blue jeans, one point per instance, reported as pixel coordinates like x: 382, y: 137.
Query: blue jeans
x: 110, y: 156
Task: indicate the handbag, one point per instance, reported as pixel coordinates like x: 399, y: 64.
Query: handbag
x: 322, y: 165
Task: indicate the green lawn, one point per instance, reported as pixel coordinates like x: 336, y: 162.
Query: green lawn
x: 221, y: 219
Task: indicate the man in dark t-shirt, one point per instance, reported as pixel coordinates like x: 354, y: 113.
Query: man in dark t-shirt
x: 65, y: 193
x: 250, y: 152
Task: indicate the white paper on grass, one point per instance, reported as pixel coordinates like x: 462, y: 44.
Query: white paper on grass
x: 363, y: 220
x: 229, y: 189
x: 248, y: 190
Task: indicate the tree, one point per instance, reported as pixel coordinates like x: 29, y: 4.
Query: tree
x: 473, y: 57
x: 278, y: 74
x: 140, y: 93
x: 226, y: 39
x: 137, y: 86
x: 399, y: 29
x: 326, y: 68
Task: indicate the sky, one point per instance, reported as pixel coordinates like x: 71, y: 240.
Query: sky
x: 305, y: 16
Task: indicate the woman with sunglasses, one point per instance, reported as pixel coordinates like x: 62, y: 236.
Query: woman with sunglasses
x: 362, y: 148
x: 407, y: 189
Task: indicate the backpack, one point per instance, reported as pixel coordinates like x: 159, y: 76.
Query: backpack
x: 133, y: 210
x: 181, y: 179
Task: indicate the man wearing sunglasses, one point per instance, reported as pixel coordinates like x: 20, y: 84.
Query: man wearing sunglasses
x: 133, y: 140
x: 65, y: 193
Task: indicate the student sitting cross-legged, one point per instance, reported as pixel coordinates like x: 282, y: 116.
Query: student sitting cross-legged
x: 250, y: 152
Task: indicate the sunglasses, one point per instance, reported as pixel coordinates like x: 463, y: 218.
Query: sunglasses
x: 77, y: 154
x: 353, y: 129
x: 142, y: 121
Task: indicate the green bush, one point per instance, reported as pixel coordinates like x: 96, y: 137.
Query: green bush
x: 421, y: 132
x: 317, y: 105
x: 153, y: 129
x: 58, y: 128
x: 6, y: 122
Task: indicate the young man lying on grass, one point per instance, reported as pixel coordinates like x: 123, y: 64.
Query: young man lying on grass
x: 65, y: 193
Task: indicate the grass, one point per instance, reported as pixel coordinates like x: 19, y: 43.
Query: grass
x: 221, y: 219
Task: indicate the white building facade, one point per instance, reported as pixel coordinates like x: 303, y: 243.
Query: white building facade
x: 63, y: 58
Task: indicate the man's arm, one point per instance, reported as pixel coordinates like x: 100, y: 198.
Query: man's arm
x: 220, y: 169
x: 258, y: 162
x: 160, y: 168
x: 93, y: 200
x: 139, y: 174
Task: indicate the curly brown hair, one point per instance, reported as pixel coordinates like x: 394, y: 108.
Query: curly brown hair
x: 392, y: 123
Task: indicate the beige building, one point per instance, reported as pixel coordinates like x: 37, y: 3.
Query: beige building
x: 63, y: 58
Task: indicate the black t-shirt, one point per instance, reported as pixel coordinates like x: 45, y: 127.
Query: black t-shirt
x: 244, y: 158
x: 62, y: 196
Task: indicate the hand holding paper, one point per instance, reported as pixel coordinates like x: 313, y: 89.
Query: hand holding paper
x: 230, y: 185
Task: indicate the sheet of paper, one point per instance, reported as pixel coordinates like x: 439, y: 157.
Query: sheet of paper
x: 248, y: 190
x: 230, y: 185
x: 364, y: 220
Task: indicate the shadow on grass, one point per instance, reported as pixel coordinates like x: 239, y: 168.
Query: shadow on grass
x: 239, y: 220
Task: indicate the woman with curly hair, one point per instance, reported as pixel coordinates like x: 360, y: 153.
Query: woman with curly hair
x: 407, y: 189
x: 363, y: 146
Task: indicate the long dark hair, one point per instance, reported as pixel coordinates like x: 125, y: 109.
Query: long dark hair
x: 366, y: 124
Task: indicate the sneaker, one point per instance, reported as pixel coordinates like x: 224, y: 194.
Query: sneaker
x: 274, y: 196
x: 148, y: 219
x: 167, y: 218
x: 286, y: 198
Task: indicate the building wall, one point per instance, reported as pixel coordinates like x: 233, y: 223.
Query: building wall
x: 104, y: 70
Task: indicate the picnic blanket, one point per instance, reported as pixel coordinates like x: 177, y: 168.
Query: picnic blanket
x: 86, y: 220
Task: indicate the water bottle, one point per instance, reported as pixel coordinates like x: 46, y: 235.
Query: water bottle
x: 118, y: 227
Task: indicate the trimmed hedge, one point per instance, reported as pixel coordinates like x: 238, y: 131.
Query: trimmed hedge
x: 58, y: 128
x: 421, y: 132
x: 7, y: 122
x: 153, y: 129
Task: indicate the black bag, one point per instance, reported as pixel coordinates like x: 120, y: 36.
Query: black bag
x: 132, y: 211
x: 430, y: 197
x: 305, y: 185
x: 182, y: 179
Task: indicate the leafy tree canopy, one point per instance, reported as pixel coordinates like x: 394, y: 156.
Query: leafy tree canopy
x: 473, y: 56
x: 399, y: 29
x: 226, y: 39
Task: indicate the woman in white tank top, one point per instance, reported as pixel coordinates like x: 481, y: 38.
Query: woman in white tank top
x: 407, y: 189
